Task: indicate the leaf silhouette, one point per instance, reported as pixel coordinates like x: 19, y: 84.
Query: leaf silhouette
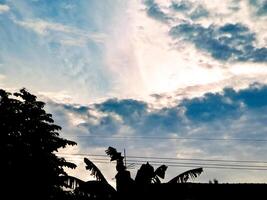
x: 71, y: 182
x: 114, y: 155
x: 145, y: 174
x: 94, y: 170
x: 160, y: 171
x: 183, y: 178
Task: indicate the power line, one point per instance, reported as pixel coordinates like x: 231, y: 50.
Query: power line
x: 168, y: 158
x: 173, y: 138
x: 183, y: 166
x: 202, y: 164
x: 185, y: 163
x: 206, y: 160
x: 160, y: 160
x: 234, y: 168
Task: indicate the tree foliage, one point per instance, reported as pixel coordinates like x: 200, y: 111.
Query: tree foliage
x: 28, y: 140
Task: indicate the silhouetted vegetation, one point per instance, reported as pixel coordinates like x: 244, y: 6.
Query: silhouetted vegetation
x: 145, y: 177
x: 126, y: 186
x: 29, y: 139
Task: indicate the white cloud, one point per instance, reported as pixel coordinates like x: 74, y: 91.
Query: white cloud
x: 4, y: 8
x: 42, y: 27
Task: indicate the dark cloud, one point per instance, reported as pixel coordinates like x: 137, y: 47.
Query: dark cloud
x: 186, y: 7
x: 115, y: 116
x: 211, y: 107
x: 229, y: 42
x: 181, y: 6
x: 154, y: 11
x: 130, y: 110
x: 229, y: 103
x: 106, y: 125
x: 260, y: 5
x: 136, y: 115
x: 165, y: 120
x: 253, y: 97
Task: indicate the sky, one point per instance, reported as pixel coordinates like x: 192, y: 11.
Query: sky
x: 145, y: 68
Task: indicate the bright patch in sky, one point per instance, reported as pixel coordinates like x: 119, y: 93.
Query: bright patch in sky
x: 144, y: 67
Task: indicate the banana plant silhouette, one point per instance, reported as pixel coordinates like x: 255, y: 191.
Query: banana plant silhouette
x: 145, y: 175
x: 96, y: 189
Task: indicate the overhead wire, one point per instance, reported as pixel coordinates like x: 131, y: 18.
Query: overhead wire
x: 174, y: 138
x: 180, y: 164
x: 169, y: 158
x: 183, y: 166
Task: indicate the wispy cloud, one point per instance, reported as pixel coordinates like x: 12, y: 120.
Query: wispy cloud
x: 4, y: 8
x: 69, y: 35
x: 58, y: 55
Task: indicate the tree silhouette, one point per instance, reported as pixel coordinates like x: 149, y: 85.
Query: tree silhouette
x: 28, y: 140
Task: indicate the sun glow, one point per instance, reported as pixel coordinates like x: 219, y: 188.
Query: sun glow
x: 165, y: 70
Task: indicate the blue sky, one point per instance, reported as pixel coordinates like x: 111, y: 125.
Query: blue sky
x: 170, y: 68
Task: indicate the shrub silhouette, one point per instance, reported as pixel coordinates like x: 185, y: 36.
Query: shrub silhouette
x: 29, y: 139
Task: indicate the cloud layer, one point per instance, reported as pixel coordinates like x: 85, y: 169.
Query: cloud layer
x: 229, y: 114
